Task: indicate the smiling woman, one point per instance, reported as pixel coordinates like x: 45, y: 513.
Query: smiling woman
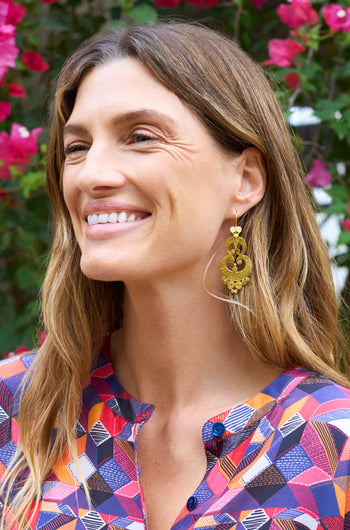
x: 157, y: 149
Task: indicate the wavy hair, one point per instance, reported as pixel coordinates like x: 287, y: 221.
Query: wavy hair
x: 292, y: 317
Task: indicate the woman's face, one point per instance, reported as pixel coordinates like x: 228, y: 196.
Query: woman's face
x: 147, y: 188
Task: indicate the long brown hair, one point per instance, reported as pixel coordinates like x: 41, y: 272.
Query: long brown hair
x: 292, y: 316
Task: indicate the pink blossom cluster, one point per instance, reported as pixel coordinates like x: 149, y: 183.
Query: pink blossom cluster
x: 318, y: 176
x: 20, y: 145
x: 298, y: 14
x: 17, y: 148
x: 12, y: 14
x: 337, y: 17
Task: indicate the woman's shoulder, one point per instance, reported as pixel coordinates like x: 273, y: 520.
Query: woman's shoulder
x: 312, y: 398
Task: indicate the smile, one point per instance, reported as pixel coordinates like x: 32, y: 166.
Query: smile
x: 113, y: 217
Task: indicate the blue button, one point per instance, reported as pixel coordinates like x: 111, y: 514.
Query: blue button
x: 191, y: 503
x: 218, y: 428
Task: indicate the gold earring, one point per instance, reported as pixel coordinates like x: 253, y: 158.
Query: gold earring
x: 236, y: 267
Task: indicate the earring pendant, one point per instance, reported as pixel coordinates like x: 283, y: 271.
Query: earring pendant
x: 235, y: 267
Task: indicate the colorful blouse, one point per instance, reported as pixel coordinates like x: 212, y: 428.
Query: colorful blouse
x: 279, y: 461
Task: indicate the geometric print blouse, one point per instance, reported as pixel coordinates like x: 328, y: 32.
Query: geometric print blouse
x: 279, y: 461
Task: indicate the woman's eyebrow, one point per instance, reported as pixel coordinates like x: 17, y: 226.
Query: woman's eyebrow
x: 74, y: 128
x: 167, y: 122
x: 142, y: 113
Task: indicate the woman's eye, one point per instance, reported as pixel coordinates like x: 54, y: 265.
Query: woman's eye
x: 74, y: 148
x: 138, y: 138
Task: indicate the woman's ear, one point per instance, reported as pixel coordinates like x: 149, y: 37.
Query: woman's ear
x: 249, y: 182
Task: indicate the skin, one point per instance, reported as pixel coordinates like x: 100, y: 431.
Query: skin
x: 132, y: 145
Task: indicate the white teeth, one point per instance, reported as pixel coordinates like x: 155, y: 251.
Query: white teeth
x: 114, y: 217
x: 93, y: 219
x: 103, y: 218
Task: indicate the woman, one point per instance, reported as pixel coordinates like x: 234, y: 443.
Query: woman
x: 160, y: 151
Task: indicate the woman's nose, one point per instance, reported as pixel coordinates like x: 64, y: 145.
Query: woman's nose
x: 100, y: 171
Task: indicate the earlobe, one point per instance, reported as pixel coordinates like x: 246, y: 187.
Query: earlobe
x: 250, y: 181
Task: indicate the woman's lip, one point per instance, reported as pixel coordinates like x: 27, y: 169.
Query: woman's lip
x: 103, y: 206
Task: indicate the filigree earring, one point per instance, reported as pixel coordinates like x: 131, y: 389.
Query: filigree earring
x: 235, y: 268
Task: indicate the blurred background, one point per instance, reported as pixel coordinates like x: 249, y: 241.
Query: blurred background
x: 304, y: 47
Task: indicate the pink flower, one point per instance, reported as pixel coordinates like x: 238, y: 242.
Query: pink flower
x: 15, y: 12
x: 17, y: 148
x: 337, y: 17
x: 42, y: 337
x: 282, y: 52
x: 298, y: 13
x: 9, y: 354
x: 4, y: 9
x: 257, y: 3
x: 5, y: 110
x: 34, y: 61
x: 292, y: 80
x: 8, y: 50
x: 318, y: 175
x: 16, y: 90
x: 5, y: 173
x: 346, y: 225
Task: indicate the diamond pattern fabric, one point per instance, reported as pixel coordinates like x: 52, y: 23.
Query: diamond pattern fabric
x: 280, y: 461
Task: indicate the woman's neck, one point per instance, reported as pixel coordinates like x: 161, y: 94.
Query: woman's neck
x: 178, y: 349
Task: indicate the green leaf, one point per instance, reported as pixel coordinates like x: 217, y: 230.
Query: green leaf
x: 143, y: 13
x: 337, y: 207
x: 27, y: 278
x: 125, y: 5
x: 341, y: 127
x: 344, y: 238
x: 31, y: 181
x: 25, y: 240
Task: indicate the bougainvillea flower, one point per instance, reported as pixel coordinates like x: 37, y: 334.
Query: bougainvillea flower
x: 15, y: 12
x: 34, y: 61
x: 298, y: 13
x: 282, y: 52
x: 292, y: 80
x: 4, y: 9
x: 9, y: 354
x: 16, y: 90
x: 42, y: 336
x: 8, y: 50
x: 346, y: 224
x: 337, y: 17
x: 5, y: 173
x: 318, y: 175
x: 7, y: 33
x: 19, y: 146
x: 5, y: 110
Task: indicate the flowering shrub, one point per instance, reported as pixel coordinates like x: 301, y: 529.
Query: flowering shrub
x: 304, y: 46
